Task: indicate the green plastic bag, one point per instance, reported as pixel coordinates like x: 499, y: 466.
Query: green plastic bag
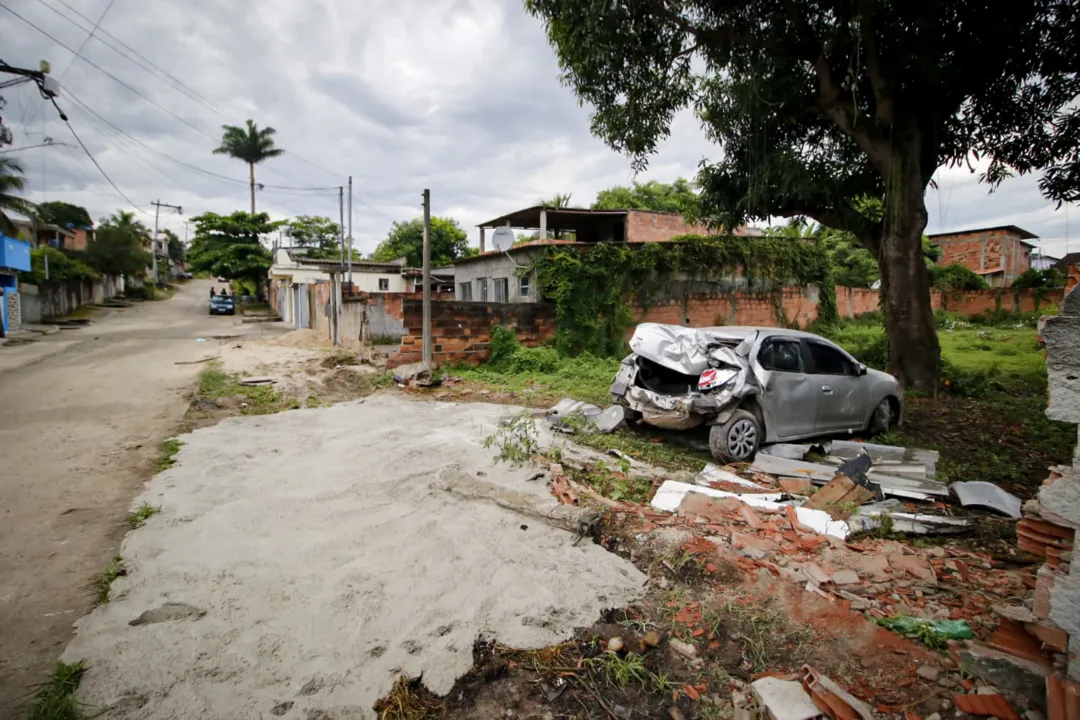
x: 934, y: 633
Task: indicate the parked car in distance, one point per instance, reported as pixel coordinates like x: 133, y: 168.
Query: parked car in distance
x: 221, y: 279
x: 752, y: 386
x: 222, y: 305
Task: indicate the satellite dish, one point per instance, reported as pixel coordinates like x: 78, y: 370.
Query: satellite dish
x: 502, y: 239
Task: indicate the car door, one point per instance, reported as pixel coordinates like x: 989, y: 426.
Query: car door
x: 842, y: 395
x: 789, y: 394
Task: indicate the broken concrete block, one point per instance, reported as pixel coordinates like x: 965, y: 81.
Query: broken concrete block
x: 845, y: 577
x: 1065, y: 612
x: 685, y: 649
x: 839, y: 497
x: 1061, y: 493
x: 784, y: 699
x: 1022, y: 681
x: 929, y: 672
x: 1062, y: 337
x: 914, y: 565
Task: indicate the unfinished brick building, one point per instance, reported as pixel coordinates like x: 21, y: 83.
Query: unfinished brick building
x: 999, y: 254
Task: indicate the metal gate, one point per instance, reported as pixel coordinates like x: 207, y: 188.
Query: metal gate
x: 301, y: 316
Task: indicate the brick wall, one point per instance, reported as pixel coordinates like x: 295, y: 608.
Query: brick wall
x: 461, y: 331
x: 977, y: 302
x: 1000, y: 250
x: 703, y: 309
x: 657, y: 227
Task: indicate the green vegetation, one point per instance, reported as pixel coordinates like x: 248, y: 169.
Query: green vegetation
x: 120, y: 246
x: 542, y: 370
x: 320, y: 236
x: 621, y: 670
x: 138, y: 517
x: 12, y: 185
x: 680, y: 197
x: 103, y: 584
x: 216, y: 384
x: 64, y: 214
x: 515, y: 440
x: 169, y: 449
x: 229, y: 245
x: 406, y: 239
x: 61, y: 267
x: 591, y: 288
x: 250, y: 145
x: 55, y: 699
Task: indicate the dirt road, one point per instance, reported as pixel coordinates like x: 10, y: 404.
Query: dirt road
x: 82, y: 417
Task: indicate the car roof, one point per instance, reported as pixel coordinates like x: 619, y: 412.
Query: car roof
x: 741, y: 331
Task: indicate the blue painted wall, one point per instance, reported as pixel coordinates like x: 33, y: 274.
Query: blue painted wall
x: 14, y: 254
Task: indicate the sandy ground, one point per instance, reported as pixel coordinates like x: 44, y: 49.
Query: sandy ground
x: 83, y: 416
x: 302, y: 561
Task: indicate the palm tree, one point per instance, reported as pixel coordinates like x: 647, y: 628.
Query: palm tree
x: 125, y: 222
x: 251, y: 145
x: 12, y: 182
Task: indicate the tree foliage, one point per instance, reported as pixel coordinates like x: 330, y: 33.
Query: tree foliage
x: 591, y: 288
x: 321, y: 236
x: 956, y: 277
x: 12, y: 184
x: 119, y: 248
x: 1049, y: 279
x: 174, y: 247
x: 406, y: 239
x: 64, y: 214
x: 230, y: 245
x: 61, y: 267
x: 251, y: 145
x: 815, y: 105
x: 677, y: 197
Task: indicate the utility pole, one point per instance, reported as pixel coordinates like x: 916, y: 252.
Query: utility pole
x: 427, y: 279
x: 341, y: 222
x: 157, y: 212
x: 350, y: 231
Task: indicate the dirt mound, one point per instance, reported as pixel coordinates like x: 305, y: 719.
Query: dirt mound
x: 301, y: 339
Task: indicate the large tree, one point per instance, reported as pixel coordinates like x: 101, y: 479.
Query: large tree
x: 816, y: 104
x: 251, y: 145
x: 64, y: 214
x: 406, y: 239
x: 126, y: 222
x: 230, y: 245
x: 12, y: 184
x: 321, y: 236
x: 174, y: 246
x: 120, y: 246
x: 677, y: 197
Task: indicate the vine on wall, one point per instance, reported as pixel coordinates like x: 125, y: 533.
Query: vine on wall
x: 592, y: 287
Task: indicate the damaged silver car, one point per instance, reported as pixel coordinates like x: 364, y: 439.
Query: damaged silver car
x: 752, y: 386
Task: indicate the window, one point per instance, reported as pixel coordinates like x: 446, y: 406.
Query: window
x: 481, y: 289
x: 384, y: 284
x: 502, y: 290
x: 465, y: 292
x: 830, y: 361
x: 782, y: 356
x: 523, y: 287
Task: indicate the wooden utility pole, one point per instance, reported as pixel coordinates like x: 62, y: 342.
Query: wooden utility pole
x: 153, y: 244
x: 427, y: 279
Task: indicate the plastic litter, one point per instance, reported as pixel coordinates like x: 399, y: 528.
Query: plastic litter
x: 934, y: 633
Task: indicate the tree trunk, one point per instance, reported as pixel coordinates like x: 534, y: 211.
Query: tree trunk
x: 915, y: 355
x: 251, y: 172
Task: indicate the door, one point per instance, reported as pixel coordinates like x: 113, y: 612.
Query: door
x: 788, y: 397
x: 300, y: 306
x: 843, y: 398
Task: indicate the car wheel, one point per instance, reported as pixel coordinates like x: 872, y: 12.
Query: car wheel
x: 879, y: 421
x: 736, y: 440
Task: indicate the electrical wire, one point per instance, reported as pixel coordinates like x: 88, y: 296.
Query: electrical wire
x: 101, y: 170
x: 89, y: 35
x: 106, y: 72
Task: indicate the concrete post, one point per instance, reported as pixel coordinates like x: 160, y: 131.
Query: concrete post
x: 482, y: 240
x: 543, y: 224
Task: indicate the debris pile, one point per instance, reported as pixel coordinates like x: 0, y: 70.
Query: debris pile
x: 1037, y: 643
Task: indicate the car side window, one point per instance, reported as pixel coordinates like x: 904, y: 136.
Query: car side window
x: 829, y: 361
x: 782, y: 356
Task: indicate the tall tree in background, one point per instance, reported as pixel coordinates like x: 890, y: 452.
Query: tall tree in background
x: 251, y: 145
x: 677, y: 197
x: 126, y: 222
x: 120, y: 246
x: 12, y: 184
x: 321, y: 236
x: 174, y: 246
x: 64, y: 214
x: 230, y: 245
x: 817, y: 104
x: 406, y: 239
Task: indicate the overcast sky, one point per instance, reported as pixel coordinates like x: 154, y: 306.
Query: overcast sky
x: 460, y: 96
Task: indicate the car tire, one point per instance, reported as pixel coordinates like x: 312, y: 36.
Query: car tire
x: 881, y: 418
x: 738, y: 439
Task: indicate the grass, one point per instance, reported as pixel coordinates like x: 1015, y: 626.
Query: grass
x: 169, y: 449
x: 543, y: 371
x: 55, y: 699
x: 104, y: 582
x: 621, y: 670
x: 138, y: 517
x: 215, y: 383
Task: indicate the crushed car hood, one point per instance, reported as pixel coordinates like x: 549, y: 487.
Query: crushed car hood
x: 686, y: 350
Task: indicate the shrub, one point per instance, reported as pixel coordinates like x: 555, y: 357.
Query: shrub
x: 61, y: 267
x: 956, y: 277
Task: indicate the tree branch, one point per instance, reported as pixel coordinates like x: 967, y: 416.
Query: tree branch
x: 883, y: 104
x: 714, y: 34
x: 845, y: 116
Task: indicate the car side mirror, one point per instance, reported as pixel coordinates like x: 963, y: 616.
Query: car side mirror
x: 860, y: 369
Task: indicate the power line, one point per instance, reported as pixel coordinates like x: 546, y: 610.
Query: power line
x: 103, y: 173
x: 106, y: 72
x: 89, y: 35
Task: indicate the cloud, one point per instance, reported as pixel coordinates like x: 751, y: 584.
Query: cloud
x: 461, y: 96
